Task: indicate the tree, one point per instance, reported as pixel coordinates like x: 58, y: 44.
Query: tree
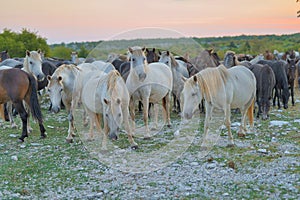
x: 61, y: 52
x: 18, y: 43
x: 298, y: 12
x: 83, y: 52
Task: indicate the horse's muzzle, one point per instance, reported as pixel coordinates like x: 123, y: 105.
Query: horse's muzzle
x: 113, y: 136
x: 142, y: 77
x: 55, y: 109
x: 40, y: 77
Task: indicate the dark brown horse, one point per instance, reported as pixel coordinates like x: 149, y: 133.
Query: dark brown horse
x: 17, y: 85
x: 4, y: 55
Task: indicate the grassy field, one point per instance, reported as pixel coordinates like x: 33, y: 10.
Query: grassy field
x: 50, y: 168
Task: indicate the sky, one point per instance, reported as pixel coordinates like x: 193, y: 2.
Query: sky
x: 94, y: 20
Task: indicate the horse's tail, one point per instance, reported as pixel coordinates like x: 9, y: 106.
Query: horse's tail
x: 34, y: 103
x: 2, y: 115
x: 250, y: 113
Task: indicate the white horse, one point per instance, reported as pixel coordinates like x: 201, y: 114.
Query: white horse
x: 148, y: 83
x: 107, y: 95
x: 178, y: 69
x: 32, y: 65
x: 65, y: 85
x: 256, y: 59
x: 75, y: 60
x: 223, y: 89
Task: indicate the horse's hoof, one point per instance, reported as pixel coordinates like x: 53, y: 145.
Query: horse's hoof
x: 14, y: 126
x: 169, y: 126
x: 73, y: 135
x: 242, y: 135
x: 147, y: 138
x: 90, y: 139
x: 104, y: 151
x: 231, y: 145
x: 68, y: 140
x: 43, y: 136
x: 134, y: 147
x: 20, y: 140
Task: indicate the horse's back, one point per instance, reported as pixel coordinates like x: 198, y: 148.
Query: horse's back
x: 13, y: 82
x: 160, y: 73
x: 242, y: 83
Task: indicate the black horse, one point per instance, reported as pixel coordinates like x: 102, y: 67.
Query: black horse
x: 282, y: 87
x: 265, y: 83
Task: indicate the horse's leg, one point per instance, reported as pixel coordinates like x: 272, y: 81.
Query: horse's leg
x: 292, y: 93
x: 228, y: 124
x: 145, y: 102
x: 208, y: 115
x: 92, y: 117
x: 129, y: 131
x: 132, y: 113
x: 9, y: 108
x: 98, y: 122
x: 85, y: 118
x: 69, y: 138
x: 275, y: 95
x: 23, y: 115
x: 106, y: 130
x: 29, y: 128
x: 166, y: 109
x: 156, y: 110
x: 174, y: 103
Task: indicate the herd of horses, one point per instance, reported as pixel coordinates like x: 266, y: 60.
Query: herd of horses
x: 109, y: 90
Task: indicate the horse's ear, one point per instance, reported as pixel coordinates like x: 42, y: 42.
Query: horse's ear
x: 130, y: 49
x: 6, y: 51
x: 118, y: 101
x: 39, y: 51
x: 27, y: 53
x: 210, y: 51
x: 106, y: 101
x: 183, y: 78
x: 147, y: 50
x: 153, y: 50
x: 168, y: 53
x: 159, y: 53
x: 48, y: 77
x: 59, y: 78
x: 144, y: 48
x: 195, y: 78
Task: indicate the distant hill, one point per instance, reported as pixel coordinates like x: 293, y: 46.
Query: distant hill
x: 251, y: 44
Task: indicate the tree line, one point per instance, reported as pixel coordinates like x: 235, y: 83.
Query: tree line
x: 18, y: 43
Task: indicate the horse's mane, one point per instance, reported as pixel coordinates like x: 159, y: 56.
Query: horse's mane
x: 66, y: 67
x: 174, y: 63
x: 112, y: 78
x: 210, y: 80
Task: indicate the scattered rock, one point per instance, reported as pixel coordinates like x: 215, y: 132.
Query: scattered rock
x: 15, y: 158
x: 265, y: 151
x: 231, y: 164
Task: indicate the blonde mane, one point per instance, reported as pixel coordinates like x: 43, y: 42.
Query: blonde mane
x: 112, y: 78
x: 66, y: 67
x: 210, y: 81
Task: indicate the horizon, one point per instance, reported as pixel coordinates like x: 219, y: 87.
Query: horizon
x: 82, y: 21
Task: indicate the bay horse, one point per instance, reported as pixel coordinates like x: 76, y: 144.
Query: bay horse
x: 106, y: 96
x: 149, y: 83
x: 223, y: 89
x: 32, y: 64
x: 17, y: 86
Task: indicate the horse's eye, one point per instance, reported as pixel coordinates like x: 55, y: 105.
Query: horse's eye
x: 133, y: 59
x: 119, y: 114
x: 30, y: 62
x: 194, y: 94
x: 61, y: 90
x: 106, y: 115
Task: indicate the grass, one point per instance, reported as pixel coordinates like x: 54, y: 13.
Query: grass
x: 52, y: 165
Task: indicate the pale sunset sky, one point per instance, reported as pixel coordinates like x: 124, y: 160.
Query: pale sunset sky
x: 93, y: 20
